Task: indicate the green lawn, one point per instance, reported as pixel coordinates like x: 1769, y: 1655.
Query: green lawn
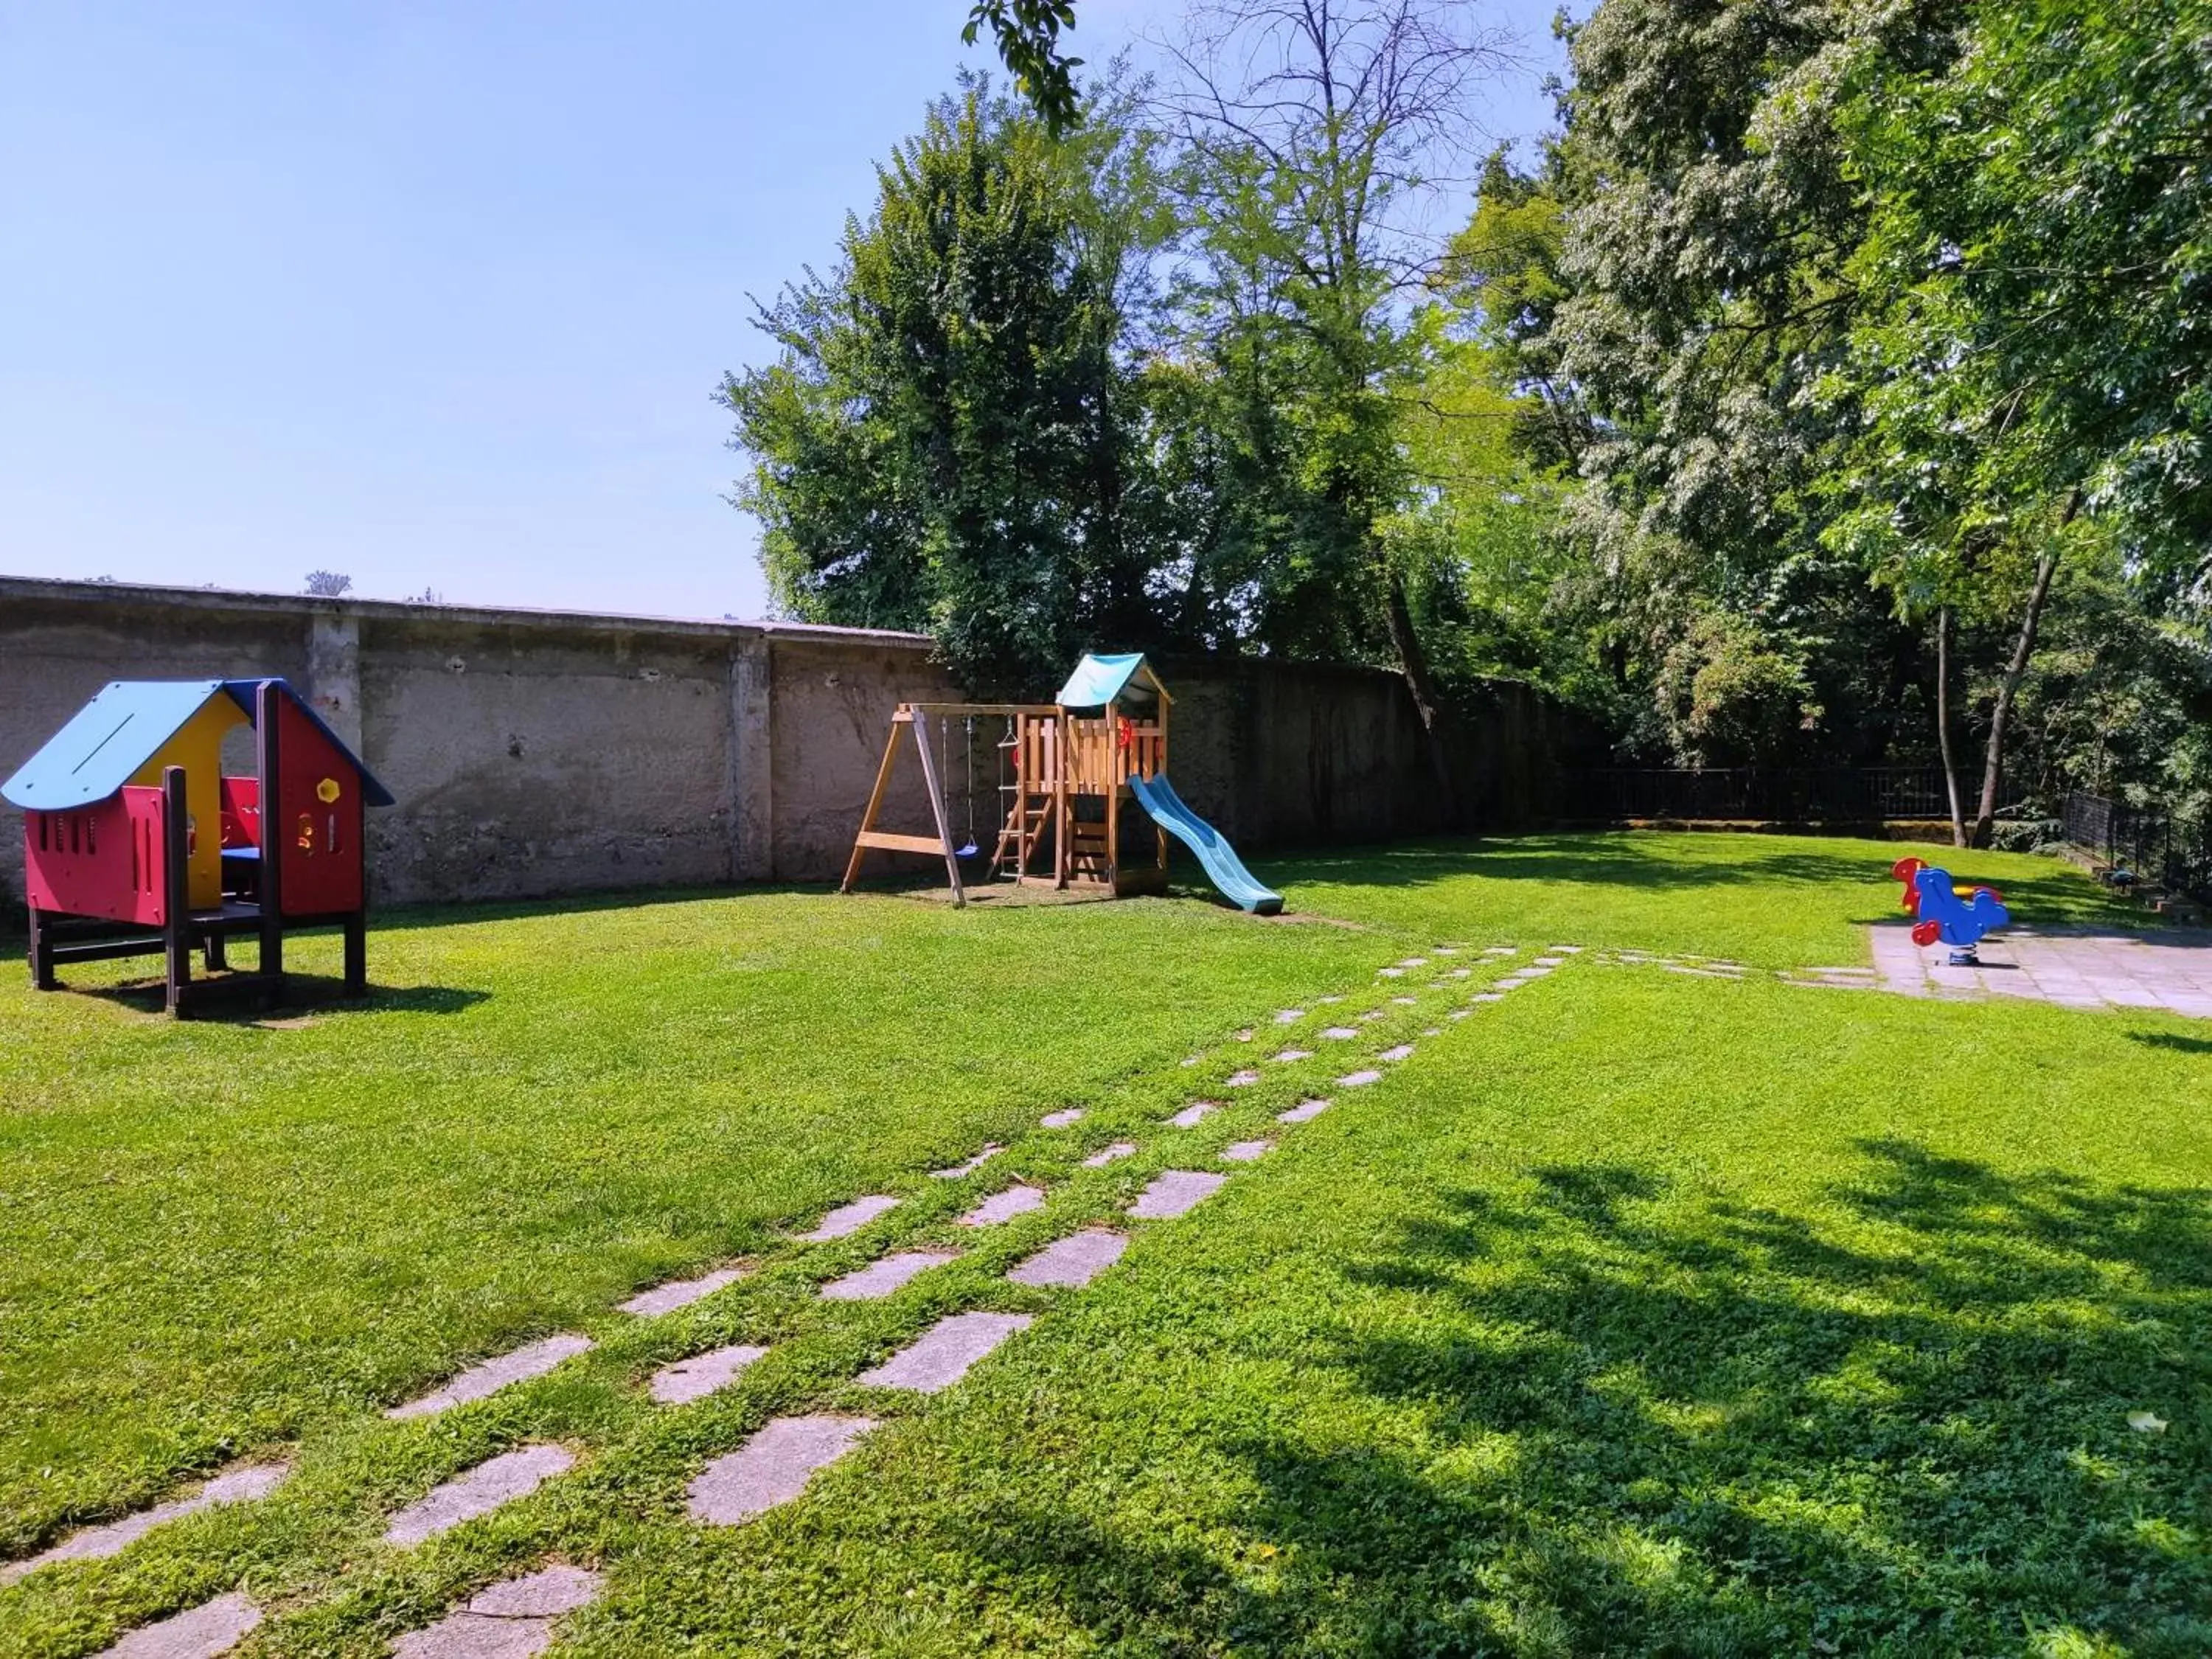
x: 1636, y: 1314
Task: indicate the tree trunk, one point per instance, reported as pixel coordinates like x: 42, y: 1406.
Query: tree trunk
x: 2015, y: 671
x: 1415, y: 664
x: 1943, y: 724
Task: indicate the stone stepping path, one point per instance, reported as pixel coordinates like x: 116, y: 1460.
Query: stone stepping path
x: 990, y: 1150
x: 1461, y: 973
x: 1326, y: 1002
x: 202, y: 1632
x: 96, y: 1543
x: 479, y: 1380
x: 1005, y: 1206
x: 681, y: 1294
x: 510, y: 1621
x: 1487, y: 996
x: 942, y: 1354
x: 1072, y: 1262
x: 848, y: 1218
x: 1500, y: 951
x: 703, y: 1374
x: 495, y: 1481
x: 517, y: 1617
x: 880, y: 1279
x: 1174, y: 1192
x: 772, y: 1467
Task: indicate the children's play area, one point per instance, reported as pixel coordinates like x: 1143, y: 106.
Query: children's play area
x: 1079, y: 792
x: 1598, y: 1243
x: 135, y: 842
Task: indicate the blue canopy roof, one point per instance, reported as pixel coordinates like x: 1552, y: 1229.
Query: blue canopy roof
x: 1099, y: 680
x: 111, y: 737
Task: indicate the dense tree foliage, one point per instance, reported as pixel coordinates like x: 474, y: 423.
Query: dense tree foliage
x: 1831, y: 387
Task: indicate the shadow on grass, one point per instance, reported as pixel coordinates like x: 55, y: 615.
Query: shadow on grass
x: 222, y: 1000
x: 1653, y: 1421
x: 2175, y: 1044
x: 1640, y: 861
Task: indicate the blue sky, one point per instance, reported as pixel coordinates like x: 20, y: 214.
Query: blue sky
x: 436, y: 294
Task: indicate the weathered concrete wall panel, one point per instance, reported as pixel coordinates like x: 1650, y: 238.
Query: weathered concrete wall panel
x: 539, y: 752
x: 536, y: 759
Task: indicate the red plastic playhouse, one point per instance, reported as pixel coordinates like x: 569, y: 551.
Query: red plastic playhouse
x: 135, y: 844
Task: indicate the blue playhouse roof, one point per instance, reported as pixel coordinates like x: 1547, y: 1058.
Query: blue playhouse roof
x: 1099, y: 680
x: 111, y: 737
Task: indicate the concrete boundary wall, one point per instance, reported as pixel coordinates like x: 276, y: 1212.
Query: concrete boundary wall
x: 551, y: 752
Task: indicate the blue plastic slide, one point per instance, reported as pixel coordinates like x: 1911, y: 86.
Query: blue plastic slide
x: 1223, y: 866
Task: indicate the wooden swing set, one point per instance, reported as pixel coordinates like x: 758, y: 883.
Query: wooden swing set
x: 1062, y: 784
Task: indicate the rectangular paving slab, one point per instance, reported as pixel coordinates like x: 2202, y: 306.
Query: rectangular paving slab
x: 512, y: 1619
x: 1291, y: 1056
x: 989, y: 1151
x: 1194, y: 1114
x: 772, y: 1467
x: 202, y: 1632
x: 1244, y: 1152
x: 944, y: 1352
x: 1072, y: 1262
x: 701, y: 1375
x: 475, y: 1383
x: 1003, y: 1206
x: 96, y: 1543
x: 1243, y: 1079
x: 1114, y: 1153
x: 1305, y: 1111
x: 680, y: 1293
x: 880, y: 1279
x: 1176, y: 1192
x: 1061, y: 1120
x: 1358, y: 1079
x: 495, y: 1481
x: 848, y: 1218
x: 1289, y: 1016
x: 1401, y: 1051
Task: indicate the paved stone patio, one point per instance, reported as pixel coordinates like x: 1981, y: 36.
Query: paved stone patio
x: 2170, y: 969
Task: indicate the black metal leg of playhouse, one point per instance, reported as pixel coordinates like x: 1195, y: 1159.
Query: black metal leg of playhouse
x: 356, y: 954
x: 217, y: 959
x: 177, y: 891
x: 42, y: 952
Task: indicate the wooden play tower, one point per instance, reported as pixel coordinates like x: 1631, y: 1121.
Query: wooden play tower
x: 1063, y: 783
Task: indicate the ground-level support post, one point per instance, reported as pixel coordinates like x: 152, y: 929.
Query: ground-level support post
x: 42, y: 951
x: 176, y: 888
x: 356, y: 954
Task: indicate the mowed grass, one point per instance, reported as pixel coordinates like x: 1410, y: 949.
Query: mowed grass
x: 1634, y: 1313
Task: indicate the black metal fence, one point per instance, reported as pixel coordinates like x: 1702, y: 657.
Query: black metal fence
x: 2149, y: 845
x: 1806, y: 795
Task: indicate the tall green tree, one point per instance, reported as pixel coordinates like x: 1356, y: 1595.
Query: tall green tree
x: 1307, y: 129
x: 951, y: 437
x: 2031, y: 366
